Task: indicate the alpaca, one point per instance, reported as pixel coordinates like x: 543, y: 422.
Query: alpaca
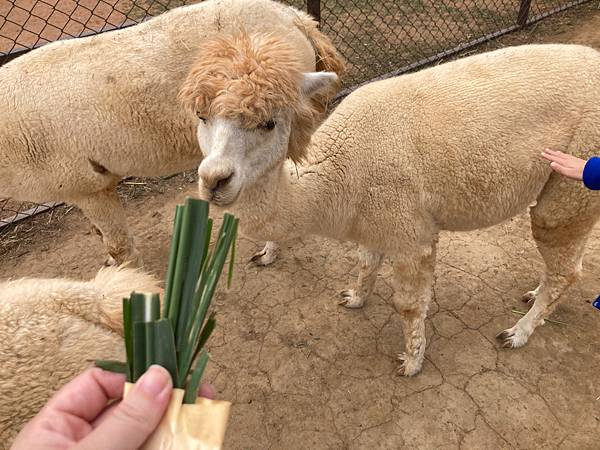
x: 51, y: 330
x: 80, y: 115
x: 455, y: 147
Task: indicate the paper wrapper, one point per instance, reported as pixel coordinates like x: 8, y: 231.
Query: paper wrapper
x: 200, y: 426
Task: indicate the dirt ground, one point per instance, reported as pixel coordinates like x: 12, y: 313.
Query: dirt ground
x: 303, y: 372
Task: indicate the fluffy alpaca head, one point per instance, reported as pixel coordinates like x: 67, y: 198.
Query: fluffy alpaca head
x: 256, y: 107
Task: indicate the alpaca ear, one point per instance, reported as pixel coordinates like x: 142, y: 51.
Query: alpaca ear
x: 314, y: 83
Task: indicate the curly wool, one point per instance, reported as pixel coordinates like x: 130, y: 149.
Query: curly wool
x: 455, y: 147
x: 79, y: 115
x: 53, y: 329
x: 248, y: 77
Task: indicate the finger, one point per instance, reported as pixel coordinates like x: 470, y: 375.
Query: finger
x: 104, y: 414
x: 87, y: 395
x: 136, y: 417
x: 555, y: 152
x: 566, y: 171
x: 207, y: 391
x: 549, y: 156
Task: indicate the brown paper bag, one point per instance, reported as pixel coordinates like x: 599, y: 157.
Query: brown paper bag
x: 189, y: 427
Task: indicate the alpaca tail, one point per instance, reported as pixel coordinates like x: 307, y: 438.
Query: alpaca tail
x: 115, y: 283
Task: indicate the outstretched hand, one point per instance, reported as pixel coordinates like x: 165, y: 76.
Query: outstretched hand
x: 567, y: 165
x: 83, y: 415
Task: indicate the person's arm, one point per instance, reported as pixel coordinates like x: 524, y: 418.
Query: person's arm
x: 575, y: 168
x: 591, y: 173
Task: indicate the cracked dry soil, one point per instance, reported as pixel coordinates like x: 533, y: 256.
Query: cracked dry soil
x: 303, y: 372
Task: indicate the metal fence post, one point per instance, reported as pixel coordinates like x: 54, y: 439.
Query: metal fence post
x: 523, y: 13
x: 313, y: 7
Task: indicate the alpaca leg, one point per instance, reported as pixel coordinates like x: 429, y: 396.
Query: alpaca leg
x: 267, y: 255
x: 370, y: 262
x: 105, y: 211
x: 563, y: 268
x: 561, y: 223
x: 413, y: 282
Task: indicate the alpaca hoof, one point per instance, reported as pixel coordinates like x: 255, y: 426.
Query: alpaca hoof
x: 529, y: 296
x: 134, y: 260
x: 264, y: 258
x: 350, y: 299
x: 96, y: 230
x: 408, y: 366
x: 513, y: 337
x: 110, y: 261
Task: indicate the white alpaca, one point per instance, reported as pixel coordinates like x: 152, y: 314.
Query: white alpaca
x: 80, y: 115
x: 53, y: 329
x: 455, y: 147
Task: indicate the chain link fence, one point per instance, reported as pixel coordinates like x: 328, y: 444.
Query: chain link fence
x: 378, y: 38
x: 388, y: 37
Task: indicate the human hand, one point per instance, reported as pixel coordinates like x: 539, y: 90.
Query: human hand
x: 81, y: 417
x: 567, y: 165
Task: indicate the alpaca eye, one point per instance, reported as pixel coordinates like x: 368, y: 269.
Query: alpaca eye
x: 268, y: 125
x: 203, y: 119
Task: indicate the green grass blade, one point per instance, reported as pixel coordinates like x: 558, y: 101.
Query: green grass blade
x: 164, y: 348
x: 232, y: 260
x: 207, y: 236
x: 138, y: 307
x: 220, y: 245
x: 172, y: 259
x: 149, y: 339
x: 153, y: 301
x: 128, y: 333
x: 112, y: 366
x: 180, y: 266
x: 197, y: 240
x: 213, y: 272
x: 207, y: 330
x: 191, y: 391
x: 190, y: 223
x: 144, y: 307
x: 139, y: 350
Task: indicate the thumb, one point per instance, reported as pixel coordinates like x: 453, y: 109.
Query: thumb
x: 137, y: 416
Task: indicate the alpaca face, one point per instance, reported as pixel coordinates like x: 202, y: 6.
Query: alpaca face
x: 237, y: 157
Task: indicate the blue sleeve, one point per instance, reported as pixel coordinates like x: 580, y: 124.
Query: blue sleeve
x: 591, y: 174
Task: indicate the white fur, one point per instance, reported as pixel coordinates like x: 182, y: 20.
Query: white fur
x: 79, y: 115
x: 53, y: 329
x: 455, y: 147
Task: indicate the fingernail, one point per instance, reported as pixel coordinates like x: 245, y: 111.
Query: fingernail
x: 154, y: 381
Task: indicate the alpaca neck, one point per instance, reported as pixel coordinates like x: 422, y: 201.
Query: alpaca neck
x: 285, y: 205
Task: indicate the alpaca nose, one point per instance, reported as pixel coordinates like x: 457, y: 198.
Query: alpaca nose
x: 217, y: 181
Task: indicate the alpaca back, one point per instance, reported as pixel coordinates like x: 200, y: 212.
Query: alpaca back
x: 462, y: 141
x: 128, y: 77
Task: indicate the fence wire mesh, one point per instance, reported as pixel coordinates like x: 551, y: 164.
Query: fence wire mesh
x: 377, y: 37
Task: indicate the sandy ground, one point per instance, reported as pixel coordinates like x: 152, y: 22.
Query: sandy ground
x: 303, y: 372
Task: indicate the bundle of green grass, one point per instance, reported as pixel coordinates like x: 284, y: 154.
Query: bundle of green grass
x: 176, y: 338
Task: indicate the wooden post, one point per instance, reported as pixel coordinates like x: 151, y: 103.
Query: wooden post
x: 523, y: 13
x: 313, y: 7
